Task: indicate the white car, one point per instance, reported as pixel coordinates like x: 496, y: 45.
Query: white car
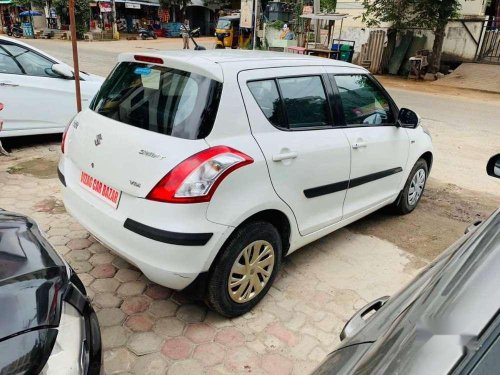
x: 38, y: 91
x: 204, y: 169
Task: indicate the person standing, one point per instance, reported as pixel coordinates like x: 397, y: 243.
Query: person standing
x: 185, y: 34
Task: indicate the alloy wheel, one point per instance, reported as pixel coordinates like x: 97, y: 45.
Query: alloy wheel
x: 251, y: 271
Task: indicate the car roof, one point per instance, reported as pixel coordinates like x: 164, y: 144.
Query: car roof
x: 212, y: 63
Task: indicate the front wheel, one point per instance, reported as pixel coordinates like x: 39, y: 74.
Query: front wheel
x: 413, y: 189
x: 144, y: 37
x: 246, y: 270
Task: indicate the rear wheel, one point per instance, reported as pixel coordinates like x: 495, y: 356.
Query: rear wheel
x: 144, y: 37
x: 155, y: 36
x: 246, y: 270
x: 414, y: 188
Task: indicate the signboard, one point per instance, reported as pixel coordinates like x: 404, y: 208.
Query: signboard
x: 246, y: 20
x: 105, y: 7
x: 132, y: 6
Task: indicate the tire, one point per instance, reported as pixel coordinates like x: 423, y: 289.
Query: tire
x: 154, y: 36
x: 144, y: 37
x: 410, y: 196
x: 265, y: 239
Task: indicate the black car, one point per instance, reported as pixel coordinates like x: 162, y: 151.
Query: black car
x: 446, y: 321
x: 47, y: 324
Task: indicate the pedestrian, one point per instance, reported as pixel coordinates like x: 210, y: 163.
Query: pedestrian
x: 185, y: 34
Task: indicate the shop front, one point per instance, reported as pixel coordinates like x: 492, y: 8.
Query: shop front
x: 8, y: 14
x: 132, y: 15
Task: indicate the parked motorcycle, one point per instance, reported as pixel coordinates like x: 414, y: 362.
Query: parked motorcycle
x: 15, y: 30
x: 147, y: 33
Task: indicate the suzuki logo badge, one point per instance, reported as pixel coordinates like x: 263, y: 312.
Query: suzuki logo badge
x: 98, y: 139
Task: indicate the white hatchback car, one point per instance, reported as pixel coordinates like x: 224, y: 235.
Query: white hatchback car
x: 206, y: 168
x: 37, y: 90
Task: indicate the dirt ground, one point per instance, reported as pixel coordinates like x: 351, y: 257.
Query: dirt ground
x: 444, y: 212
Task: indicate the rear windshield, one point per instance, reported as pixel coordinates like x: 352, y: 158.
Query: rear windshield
x: 159, y: 99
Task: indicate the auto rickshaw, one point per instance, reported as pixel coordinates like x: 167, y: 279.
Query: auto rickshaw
x: 229, y: 34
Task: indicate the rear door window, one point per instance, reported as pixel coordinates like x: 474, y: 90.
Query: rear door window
x: 293, y: 103
x: 305, y: 101
x: 160, y: 99
x: 363, y: 102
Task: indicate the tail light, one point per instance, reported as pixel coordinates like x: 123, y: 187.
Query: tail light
x: 195, y: 179
x: 63, y: 141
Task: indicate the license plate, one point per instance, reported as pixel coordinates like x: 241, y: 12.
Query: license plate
x: 100, y: 189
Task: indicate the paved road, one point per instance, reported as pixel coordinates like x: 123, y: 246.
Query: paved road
x: 149, y: 329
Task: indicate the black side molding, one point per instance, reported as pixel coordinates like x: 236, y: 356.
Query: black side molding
x: 61, y: 177
x: 174, y: 238
x: 344, y: 185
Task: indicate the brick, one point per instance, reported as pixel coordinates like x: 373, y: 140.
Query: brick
x: 242, y: 359
x: 78, y: 244
x: 107, y: 300
x: 110, y: 317
x: 276, y: 364
x: 163, y: 308
x: 125, y: 275
x: 105, y: 285
x: 113, y: 337
x: 230, y: 337
x: 282, y: 333
x: 144, y: 343
x: 102, y: 258
x: 200, y: 333
x: 78, y: 255
x: 132, y: 288
x: 139, y: 323
x: 103, y: 271
x: 189, y: 366
x: 118, y: 361
x: 150, y: 364
x: 209, y: 354
x: 177, y: 348
x: 192, y: 313
x: 169, y: 327
x: 158, y: 292
x: 134, y: 305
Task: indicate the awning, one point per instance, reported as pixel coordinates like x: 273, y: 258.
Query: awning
x: 2, y: 2
x: 326, y: 16
x: 138, y: 2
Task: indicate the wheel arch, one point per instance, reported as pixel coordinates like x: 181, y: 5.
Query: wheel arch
x: 428, y: 157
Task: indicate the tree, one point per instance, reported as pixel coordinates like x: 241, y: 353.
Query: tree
x: 403, y: 14
x: 328, y: 6
x: 217, y: 4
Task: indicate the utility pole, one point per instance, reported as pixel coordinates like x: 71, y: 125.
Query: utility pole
x: 75, y: 55
x: 317, y: 31
x: 256, y: 4
x: 114, y: 26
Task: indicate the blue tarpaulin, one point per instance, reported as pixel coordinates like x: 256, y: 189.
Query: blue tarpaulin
x: 32, y: 13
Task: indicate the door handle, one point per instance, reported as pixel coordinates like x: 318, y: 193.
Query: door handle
x: 8, y: 84
x: 285, y: 156
x: 359, y: 145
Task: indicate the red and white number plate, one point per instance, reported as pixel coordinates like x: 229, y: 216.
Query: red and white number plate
x: 100, y: 189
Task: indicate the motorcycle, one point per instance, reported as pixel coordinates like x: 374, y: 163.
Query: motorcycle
x: 15, y: 30
x: 147, y: 33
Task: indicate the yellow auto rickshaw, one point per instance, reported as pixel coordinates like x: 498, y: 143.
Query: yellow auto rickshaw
x: 229, y: 34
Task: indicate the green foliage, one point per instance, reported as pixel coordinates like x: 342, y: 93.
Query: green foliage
x: 410, y: 13
x: 217, y: 4
x: 82, y: 14
x: 328, y: 6
x: 277, y: 24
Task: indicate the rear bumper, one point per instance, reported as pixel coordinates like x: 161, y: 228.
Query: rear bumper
x: 171, y: 244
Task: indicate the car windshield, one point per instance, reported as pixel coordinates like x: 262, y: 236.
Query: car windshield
x: 224, y: 24
x: 159, y: 99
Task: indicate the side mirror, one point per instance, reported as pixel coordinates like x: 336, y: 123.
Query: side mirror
x: 493, y: 167
x: 360, y: 319
x: 408, y: 119
x: 63, y: 71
